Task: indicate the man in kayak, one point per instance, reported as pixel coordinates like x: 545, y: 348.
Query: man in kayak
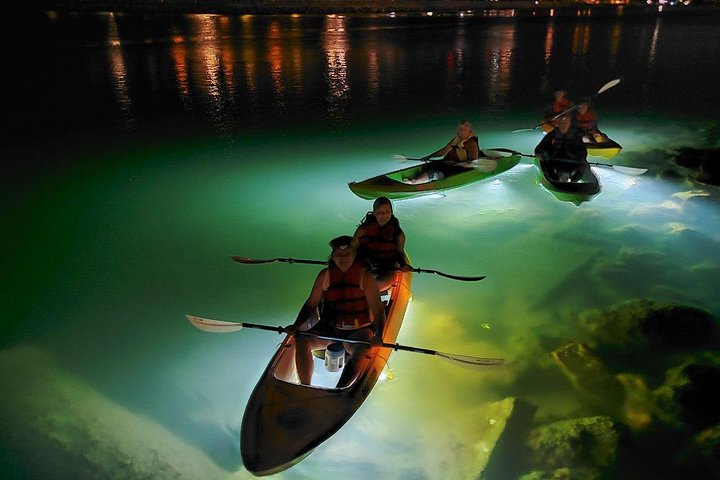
x: 380, y: 243
x: 350, y: 307
x: 463, y: 147
x: 563, y: 151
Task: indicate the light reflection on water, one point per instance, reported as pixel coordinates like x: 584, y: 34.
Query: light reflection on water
x: 122, y: 245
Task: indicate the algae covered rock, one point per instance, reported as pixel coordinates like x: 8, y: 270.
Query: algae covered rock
x: 690, y: 396
x: 642, y: 326
x: 590, y: 442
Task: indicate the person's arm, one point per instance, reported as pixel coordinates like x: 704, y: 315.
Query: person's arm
x: 375, y: 305
x: 310, y: 304
x: 359, y: 232
x: 400, y: 246
x: 543, y: 145
x: 441, y: 152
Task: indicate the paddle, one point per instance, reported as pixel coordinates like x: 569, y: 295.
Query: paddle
x: 255, y: 261
x: 602, y: 89
x: 403, y: 158
x: 634, y: 171
x: 220, y: 326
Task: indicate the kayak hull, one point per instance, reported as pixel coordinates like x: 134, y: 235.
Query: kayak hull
x: 391, y: 184
x: 602, y: 146
x: 575, y: 192
x: 285, y: 421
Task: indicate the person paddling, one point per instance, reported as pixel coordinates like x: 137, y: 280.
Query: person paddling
x: 344, y: 303
x: 463, y: 147
x: 563, y: 151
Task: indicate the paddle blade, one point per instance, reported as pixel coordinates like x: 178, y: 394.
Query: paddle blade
x: 608, y: 85
x: 630, y: 170
x: 473, y: 363
x: 400, y: 158
x: 496, y: 153
x: 486, y: 165
x: 249, y: 260
x: 214, y: 326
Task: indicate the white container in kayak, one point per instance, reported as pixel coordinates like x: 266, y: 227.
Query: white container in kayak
x: 334, y: 357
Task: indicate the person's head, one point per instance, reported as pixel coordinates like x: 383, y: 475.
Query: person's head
x: 560, y: 94
x: 382, y: 210
x: 464, y: 128
x: 342, y: 254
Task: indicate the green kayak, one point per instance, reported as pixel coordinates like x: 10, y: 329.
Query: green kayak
x: 395, y: 184
x: 577, y: 190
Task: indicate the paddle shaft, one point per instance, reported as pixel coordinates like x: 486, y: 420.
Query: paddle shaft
x: 618, y: 168
x: 220, y: 326
x: 254, y: 261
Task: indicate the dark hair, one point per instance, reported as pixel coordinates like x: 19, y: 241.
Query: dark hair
x: 379, y: 202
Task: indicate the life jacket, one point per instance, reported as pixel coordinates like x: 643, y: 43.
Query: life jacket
x: 459, y: 153
x: 344, y: 302
x: 585, y: 121
x: 561, y: 105
x: 378, y: 244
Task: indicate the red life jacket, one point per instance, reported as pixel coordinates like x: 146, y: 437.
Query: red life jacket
x: 561, y: 105
x: 378, y: 243
x: 585, y: 121
x: 344, y: 301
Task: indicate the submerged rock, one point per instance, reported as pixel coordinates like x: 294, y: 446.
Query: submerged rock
x: 590, y: 443
x: 703, y: 163
x: 648, y: 325
x: 588, y: 374
x: 690, y: 396
x: 78, y: 433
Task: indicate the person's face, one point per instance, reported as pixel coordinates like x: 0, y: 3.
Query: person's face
x: 383, y: 214
x: 564, y: 123
x: 343, y: 257
x: 463, y: 130
x: 582, y: 108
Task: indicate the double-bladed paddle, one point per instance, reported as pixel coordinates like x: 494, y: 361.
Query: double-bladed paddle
x: 221, y: 326
x: 256, y: 261
x: 487, y: 164
x: 634, y: 171
x: 602, y: 89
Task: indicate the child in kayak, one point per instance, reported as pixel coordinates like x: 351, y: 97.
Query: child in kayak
x: 380, y: 243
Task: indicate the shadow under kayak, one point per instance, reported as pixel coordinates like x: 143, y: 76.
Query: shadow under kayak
x: 391, y: 184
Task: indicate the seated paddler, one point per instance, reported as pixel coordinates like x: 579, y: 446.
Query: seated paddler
x: 562, y: 151
x: 380, y: 243
x: 346, y: 299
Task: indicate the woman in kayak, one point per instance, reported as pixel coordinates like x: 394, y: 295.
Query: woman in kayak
x: 563, y: 151
x: 560, y: 104
x: 463, y: 147
x: 350, y: 307
x: 380, y: 243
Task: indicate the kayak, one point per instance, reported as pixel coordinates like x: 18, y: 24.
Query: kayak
x: 577, y: 191
x: 285, y: 421
x: 601, y: 146
x: 391, y: 184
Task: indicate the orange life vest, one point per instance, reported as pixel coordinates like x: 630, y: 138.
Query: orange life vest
x: 585, y: 121
x: 459, y: 151
x: 378, y: 244
x: 561, y: 105
x: 344, y: 301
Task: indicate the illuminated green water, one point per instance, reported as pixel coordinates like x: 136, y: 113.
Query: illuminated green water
x: 109, y: 246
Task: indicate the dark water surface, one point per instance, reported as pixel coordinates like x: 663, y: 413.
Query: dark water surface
x: 142, y: 151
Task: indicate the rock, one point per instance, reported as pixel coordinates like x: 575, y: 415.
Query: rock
x: 585, y: 443
x: 647, y: 325
x: 690, y: 396
x: 588, y: 374
x: 704, y: 164
x: 54, y: 425
x: 707, y: 444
